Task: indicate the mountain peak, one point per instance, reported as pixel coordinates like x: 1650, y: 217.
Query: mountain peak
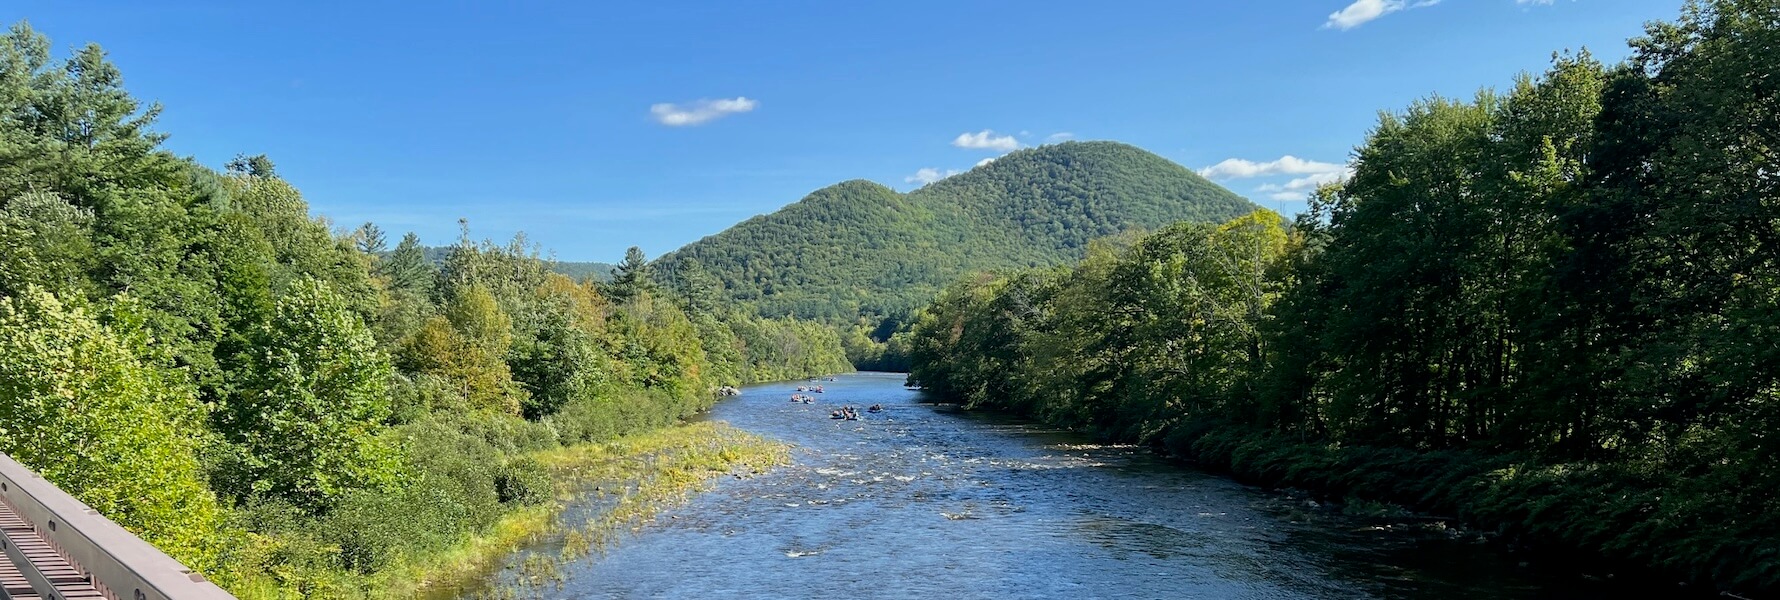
x: 859, y: 247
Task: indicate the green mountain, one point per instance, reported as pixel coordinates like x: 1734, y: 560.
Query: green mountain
x: 858, y: 247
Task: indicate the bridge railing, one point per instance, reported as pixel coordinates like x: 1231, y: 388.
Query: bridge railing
x: 119, y: 564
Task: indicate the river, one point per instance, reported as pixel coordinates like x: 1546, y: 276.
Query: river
x: 927, y: 501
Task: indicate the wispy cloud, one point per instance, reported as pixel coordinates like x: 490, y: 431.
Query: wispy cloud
x: 1058, y: 137
x: 699, y: 111
x: 1237, y: 168
x: 985, y: 161
x: 930, y: 175
x: 1299, y: 186
x: 986, y: 140
x: 1364, y: 11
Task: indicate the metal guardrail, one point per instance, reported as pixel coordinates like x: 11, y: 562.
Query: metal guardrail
x: 116, y: 563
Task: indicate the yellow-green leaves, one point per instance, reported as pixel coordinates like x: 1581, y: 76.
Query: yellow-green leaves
x: 78, y: 407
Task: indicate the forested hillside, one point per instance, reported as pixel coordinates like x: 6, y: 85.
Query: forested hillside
x: 1553, y: 311
x: 859, y: 248
x: 288, y: 409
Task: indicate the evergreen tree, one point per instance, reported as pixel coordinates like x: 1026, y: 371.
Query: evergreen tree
x: 407, y: 267
x: 257, y: 166
x: 632, y: 279
x: 701, y: 292
x: 369, y: 239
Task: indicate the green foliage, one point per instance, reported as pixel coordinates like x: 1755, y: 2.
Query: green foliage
x: 78, y: 407
x: 1550, y: 311
x: 355, y: 407
x: 860, y: 248
x: 559, y: 357
x: 313, y: 397
x: 44, y: 242
x: 632, y: 278
x: 406, y: 267
x: 467, y: 346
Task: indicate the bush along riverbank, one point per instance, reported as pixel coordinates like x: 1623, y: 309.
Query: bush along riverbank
x: 477, y: 507
x: 1552, y: 311
x: 603, y: 491
x: 1599, y: 521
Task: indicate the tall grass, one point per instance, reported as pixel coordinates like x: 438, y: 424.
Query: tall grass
x: 449, y: 536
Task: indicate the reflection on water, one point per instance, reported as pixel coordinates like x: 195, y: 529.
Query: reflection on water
x: 926, y: 501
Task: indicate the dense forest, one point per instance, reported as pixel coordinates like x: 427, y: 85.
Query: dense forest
x: 1552, y: 311
x: 288, y: 408
x: 860, y: 255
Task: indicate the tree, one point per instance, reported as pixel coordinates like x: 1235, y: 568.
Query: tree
x: 78, y: 407
x: 311, y: 407
x: 558, y: 359
x: 45, y: 241
x: 468, y: 346
x: 632, y: 278
x: 369, y: 239
x: 701, y: 292
x: 407, y: 268
x: 257, y: 166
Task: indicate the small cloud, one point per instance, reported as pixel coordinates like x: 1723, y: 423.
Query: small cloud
x: 1297, y: 187
x: 930, y: 175
x: 699, y: 111
x: 1534, y: 2
x: 985, y: 161
x: 986, y: 140
x: 1236, y: 168
x: 1058, y: 137
x: 1364, y: 11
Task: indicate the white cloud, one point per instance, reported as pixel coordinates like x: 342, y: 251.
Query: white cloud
x: 1538, y: 2
x: 1298, y: 186
x: 985, y: 161
x: 699, y: 111
x: 986, y: 140
x: 1059, y: 136
x: 930, y: 175
x: 1363, y: 11
x: 1236, y: 168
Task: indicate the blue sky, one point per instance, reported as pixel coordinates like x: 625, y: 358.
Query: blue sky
x: 594, y: 126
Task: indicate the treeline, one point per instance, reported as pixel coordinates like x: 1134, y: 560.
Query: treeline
x: 596, y: 271
x: 290, y: 409
x: 1554, y: 312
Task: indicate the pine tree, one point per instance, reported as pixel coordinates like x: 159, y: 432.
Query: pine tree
x: 632, y: 278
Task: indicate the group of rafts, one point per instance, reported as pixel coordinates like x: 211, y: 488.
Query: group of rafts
x: 852, y: 414
x: 845, y: 412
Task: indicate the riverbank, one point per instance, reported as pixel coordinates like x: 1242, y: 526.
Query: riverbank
x: 1606, y: 522
x: 632, y: 478
x: 639, y: 475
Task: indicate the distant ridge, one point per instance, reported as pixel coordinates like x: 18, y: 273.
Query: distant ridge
x: 858, y: 247
x: 579, y: 271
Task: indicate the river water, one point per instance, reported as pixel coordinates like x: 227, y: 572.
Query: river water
x: 926, y: 501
